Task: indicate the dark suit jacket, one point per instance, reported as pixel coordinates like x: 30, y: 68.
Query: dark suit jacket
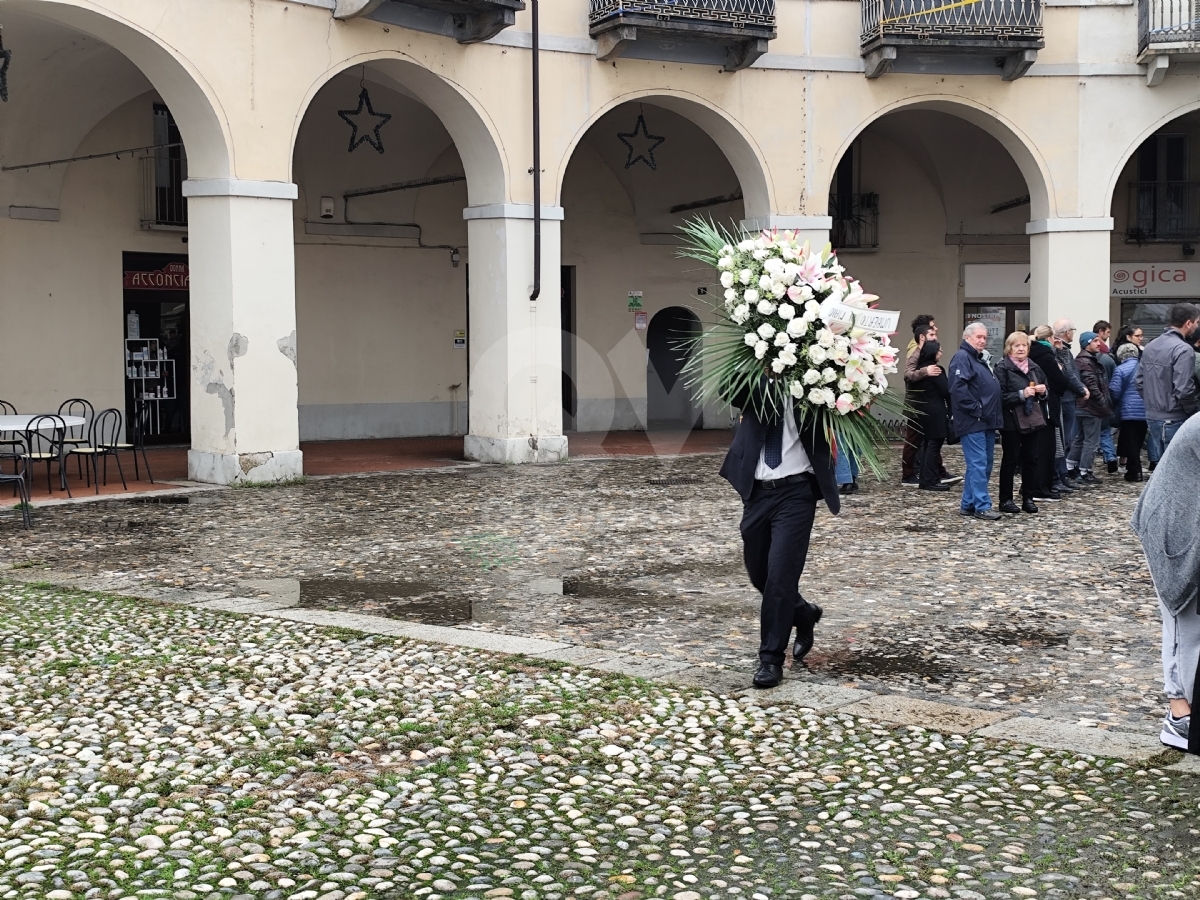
x: 742, y: 458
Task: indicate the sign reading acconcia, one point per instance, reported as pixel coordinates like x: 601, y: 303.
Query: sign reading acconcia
x: 1166, y: 279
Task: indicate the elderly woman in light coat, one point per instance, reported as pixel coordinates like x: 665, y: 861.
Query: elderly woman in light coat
x: 1167, y: 520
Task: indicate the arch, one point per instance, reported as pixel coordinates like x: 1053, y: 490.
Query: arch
x: 193, y: 103
x: 730, y: 136
x: 669, y: 402
x: 1019, y: 146
x: 1127, y: 153
x: 474, y: 134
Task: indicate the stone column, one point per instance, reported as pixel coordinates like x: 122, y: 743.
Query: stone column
x: 515, y: 387
x: 245, y: 426
x: 814, y: 229
x: 1069, y: 270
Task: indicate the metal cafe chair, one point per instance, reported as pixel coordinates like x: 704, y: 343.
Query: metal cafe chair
x: 20, y: 487
x: 141, y: 424
x: 41, y: 446
x: 105, y: 434
x: 77, y: 407
x: 10, y: 448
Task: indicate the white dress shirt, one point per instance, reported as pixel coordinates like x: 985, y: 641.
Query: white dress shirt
x: 795, y: 460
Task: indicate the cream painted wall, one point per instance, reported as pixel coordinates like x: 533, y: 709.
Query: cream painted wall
x: 60, y: 282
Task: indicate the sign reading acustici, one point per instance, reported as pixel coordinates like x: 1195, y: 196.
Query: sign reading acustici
x: 1165, y: 279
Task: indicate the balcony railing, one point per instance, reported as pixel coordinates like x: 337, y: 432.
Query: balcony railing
x: 977, y: 27
x: 855, y: 221
x: 731, y: 31
x: 1166, y: 26
x: 163, y: 203
x: 1163, y: 211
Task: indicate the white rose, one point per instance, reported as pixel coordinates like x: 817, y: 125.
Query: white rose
x: 797, y: 389
x: 790, y: 272
x: 761, y: 253
x: 726, y: 279
x: 806, y: 293
x: 741, y: 313
x: 817, y: 354
x: 830, y: 396
x: 777, y: 365
x: 746, y: 246
x: 751, y: 338
x: 745, y: 276
x: 764, y: 281
x: 760, y: 349
x: 812, y: 309
x: 774, y: 265
x: 781, y: 339
x: 765, y: 307
x: 817, y: 397
x: 828, y: 375
x: 731, y: 296
x: 778, y: 289
x: 725, y: 262
x: 727, y: 250
x: 796, y: 327
x: 825, y: 338
x: 766, y: 331
x: 812, y: 376
x: 845, y: 384
x: 787, y: 311
x: 751, y: 296
x: 788, y: 355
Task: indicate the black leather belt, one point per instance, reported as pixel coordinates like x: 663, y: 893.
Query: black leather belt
x: 785, y: 481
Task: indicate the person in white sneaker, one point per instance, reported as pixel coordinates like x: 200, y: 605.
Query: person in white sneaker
x: 1166, y: 520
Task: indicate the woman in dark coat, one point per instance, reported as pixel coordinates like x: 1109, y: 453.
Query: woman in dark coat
x: 1022, y: 388
x: 930, y: 399
x: 1041, y: 354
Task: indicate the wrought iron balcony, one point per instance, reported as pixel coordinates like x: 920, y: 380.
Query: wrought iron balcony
x: 729, y: 32
x: 855, y: 221
x: 1163, y: 212
x: 1167, y: 29
x: 951, y: 36
x: 467, y: 21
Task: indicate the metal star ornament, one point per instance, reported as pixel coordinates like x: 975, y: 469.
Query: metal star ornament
x: 360, y: 121
x: 641, y: 144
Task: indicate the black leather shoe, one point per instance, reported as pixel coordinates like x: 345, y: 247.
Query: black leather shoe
x: 804, y: 633
x: 1029, y: 506
x: 769, y: 675
x: 1009, y: 507
x: 848, y: 488
x: 1112, y: 467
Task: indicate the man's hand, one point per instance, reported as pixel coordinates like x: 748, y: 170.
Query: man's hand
x: 933, y: 371
x: 1086, y: 394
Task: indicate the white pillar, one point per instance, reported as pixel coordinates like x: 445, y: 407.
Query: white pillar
x: 245, y: 426
x: 1069, y: 270
x: 516, y: 345
x: 814, y: 229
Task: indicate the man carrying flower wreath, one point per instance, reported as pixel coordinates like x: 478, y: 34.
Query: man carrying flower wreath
x: 799, y: 348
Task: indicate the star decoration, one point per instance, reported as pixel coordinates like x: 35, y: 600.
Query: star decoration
x: 641, y: 144
x: 5, y: 59
x: 370, y: 134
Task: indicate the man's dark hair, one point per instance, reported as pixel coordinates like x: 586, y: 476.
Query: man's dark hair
x: 1182, y: 313
x: 920, y: 324
x: 1101, y: 326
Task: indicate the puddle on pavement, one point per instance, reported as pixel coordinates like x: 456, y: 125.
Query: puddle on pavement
x: 880, y: 664
x: 410, y: 601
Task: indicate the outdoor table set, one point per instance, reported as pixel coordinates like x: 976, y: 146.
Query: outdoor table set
x: 52, y: 438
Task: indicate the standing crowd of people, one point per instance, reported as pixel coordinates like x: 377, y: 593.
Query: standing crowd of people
x: 1054, y: 410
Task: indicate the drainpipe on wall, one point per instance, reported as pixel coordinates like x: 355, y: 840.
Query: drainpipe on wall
x: 537, y: 163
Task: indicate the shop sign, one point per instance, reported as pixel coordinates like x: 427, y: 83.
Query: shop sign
x: 1155, y: 279
x: 996, y: 280
x: 171, y: 277
x: 635, y: 301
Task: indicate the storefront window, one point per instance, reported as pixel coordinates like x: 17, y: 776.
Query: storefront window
x: 1150, y: 317
x: 1001, y: 319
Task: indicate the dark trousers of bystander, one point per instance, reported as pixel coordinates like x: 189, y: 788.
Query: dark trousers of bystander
x: 1020, y: 450
x: 929, y: 458
x: 908, y: 457
x: 1130, y: 438
x: 1045, y: 461
x: 776, y: 525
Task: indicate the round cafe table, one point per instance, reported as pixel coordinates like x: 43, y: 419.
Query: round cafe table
x: 21, y: 422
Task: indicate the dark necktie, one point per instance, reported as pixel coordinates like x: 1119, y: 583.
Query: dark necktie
x: 773, y: 449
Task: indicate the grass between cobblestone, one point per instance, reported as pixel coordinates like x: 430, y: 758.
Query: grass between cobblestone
x: 150, y: 750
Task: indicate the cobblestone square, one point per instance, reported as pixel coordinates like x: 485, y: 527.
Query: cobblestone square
x: 978, y: 718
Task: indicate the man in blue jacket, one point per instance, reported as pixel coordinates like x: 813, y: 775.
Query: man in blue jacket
x: 977, y: 412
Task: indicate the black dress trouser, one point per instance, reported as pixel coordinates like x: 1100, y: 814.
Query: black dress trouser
x: 1020, y: 450
x: 776, y: 526
x: 1046, y: 475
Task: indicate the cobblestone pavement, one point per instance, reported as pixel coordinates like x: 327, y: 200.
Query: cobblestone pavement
x: 1050, y: 614
x: 157, y: 751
